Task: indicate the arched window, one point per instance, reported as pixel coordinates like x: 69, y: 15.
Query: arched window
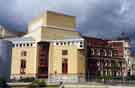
x: 64, y: 65
x: 92, y: 51
x: 110, y: 53
x: 105, y: 53
x: 98, y: 52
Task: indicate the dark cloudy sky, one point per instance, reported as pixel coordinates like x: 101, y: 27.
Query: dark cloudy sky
x: 100, y: 18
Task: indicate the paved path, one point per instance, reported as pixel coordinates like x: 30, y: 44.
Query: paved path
x: 95, y: 86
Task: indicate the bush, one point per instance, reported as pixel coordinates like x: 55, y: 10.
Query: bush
x: 108, y: 77
x: 130, y: 77
x: 100, y: 77
x: 118, y: 78
x: 30, y: 79
x: 105, y: 77
x: 37, y: 83
x: 2, y: 82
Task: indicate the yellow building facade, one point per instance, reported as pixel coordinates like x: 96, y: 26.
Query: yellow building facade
x: 54, y: 20
x: 24, y: 58
x: 67, y: 60
x: 51, y: 49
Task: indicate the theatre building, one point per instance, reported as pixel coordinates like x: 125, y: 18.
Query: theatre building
x: 51, y: 49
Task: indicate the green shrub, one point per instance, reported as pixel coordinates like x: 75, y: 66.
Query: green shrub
x: 37, y: 83
x: 117, y: 78
x: 100, y: 77
x: 130, y: 77
x: 28, y: 79
x: 108, y: 77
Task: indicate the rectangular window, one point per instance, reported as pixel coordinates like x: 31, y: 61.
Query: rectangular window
x: 64, y: 65
x: 64, y: 52
x: 115, y: 52
x: 23, y: 53
x: 23, y: 63
x: 22, y: 66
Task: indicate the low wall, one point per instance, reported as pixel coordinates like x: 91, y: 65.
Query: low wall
x: 66, y: 78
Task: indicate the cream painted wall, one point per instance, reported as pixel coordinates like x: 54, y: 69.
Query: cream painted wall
x: 81, y: 61
x: 46, y: 33
x: 37, y: 34
x: 61, y: 20
x: 74, y: 60
x: 53, y: 33
x: 53, y: 19
x: 37, y: 23
x: 31, y: 61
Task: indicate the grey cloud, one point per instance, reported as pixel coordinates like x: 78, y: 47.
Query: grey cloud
x: 106, y: 21
x: 100, y: 18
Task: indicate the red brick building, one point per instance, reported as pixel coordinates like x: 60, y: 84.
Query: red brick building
x: 103, y: 59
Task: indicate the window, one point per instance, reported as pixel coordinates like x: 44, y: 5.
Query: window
x: 64, y: 52
x: 98, y: 52
x: 27, y: 44
x: 81, y: 45
x: 31, y: 44
x: 92, y: 52
x: 57, y: 43
x: 68, y: 43
x: 23, y: 63
x: 64, y: 65
x: 20, y: 45
x: 64, y: 43
x: 23, y: 44
x: 23, y: 53
x: 61, y: 43
x: 115, y: 53
x: 72, y: 42
x: 110, y: 53
x: 23, y: 66
x: 103, y: 52
x: 13, y: 45
x: 16, y: 45
x: 81, y: 42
